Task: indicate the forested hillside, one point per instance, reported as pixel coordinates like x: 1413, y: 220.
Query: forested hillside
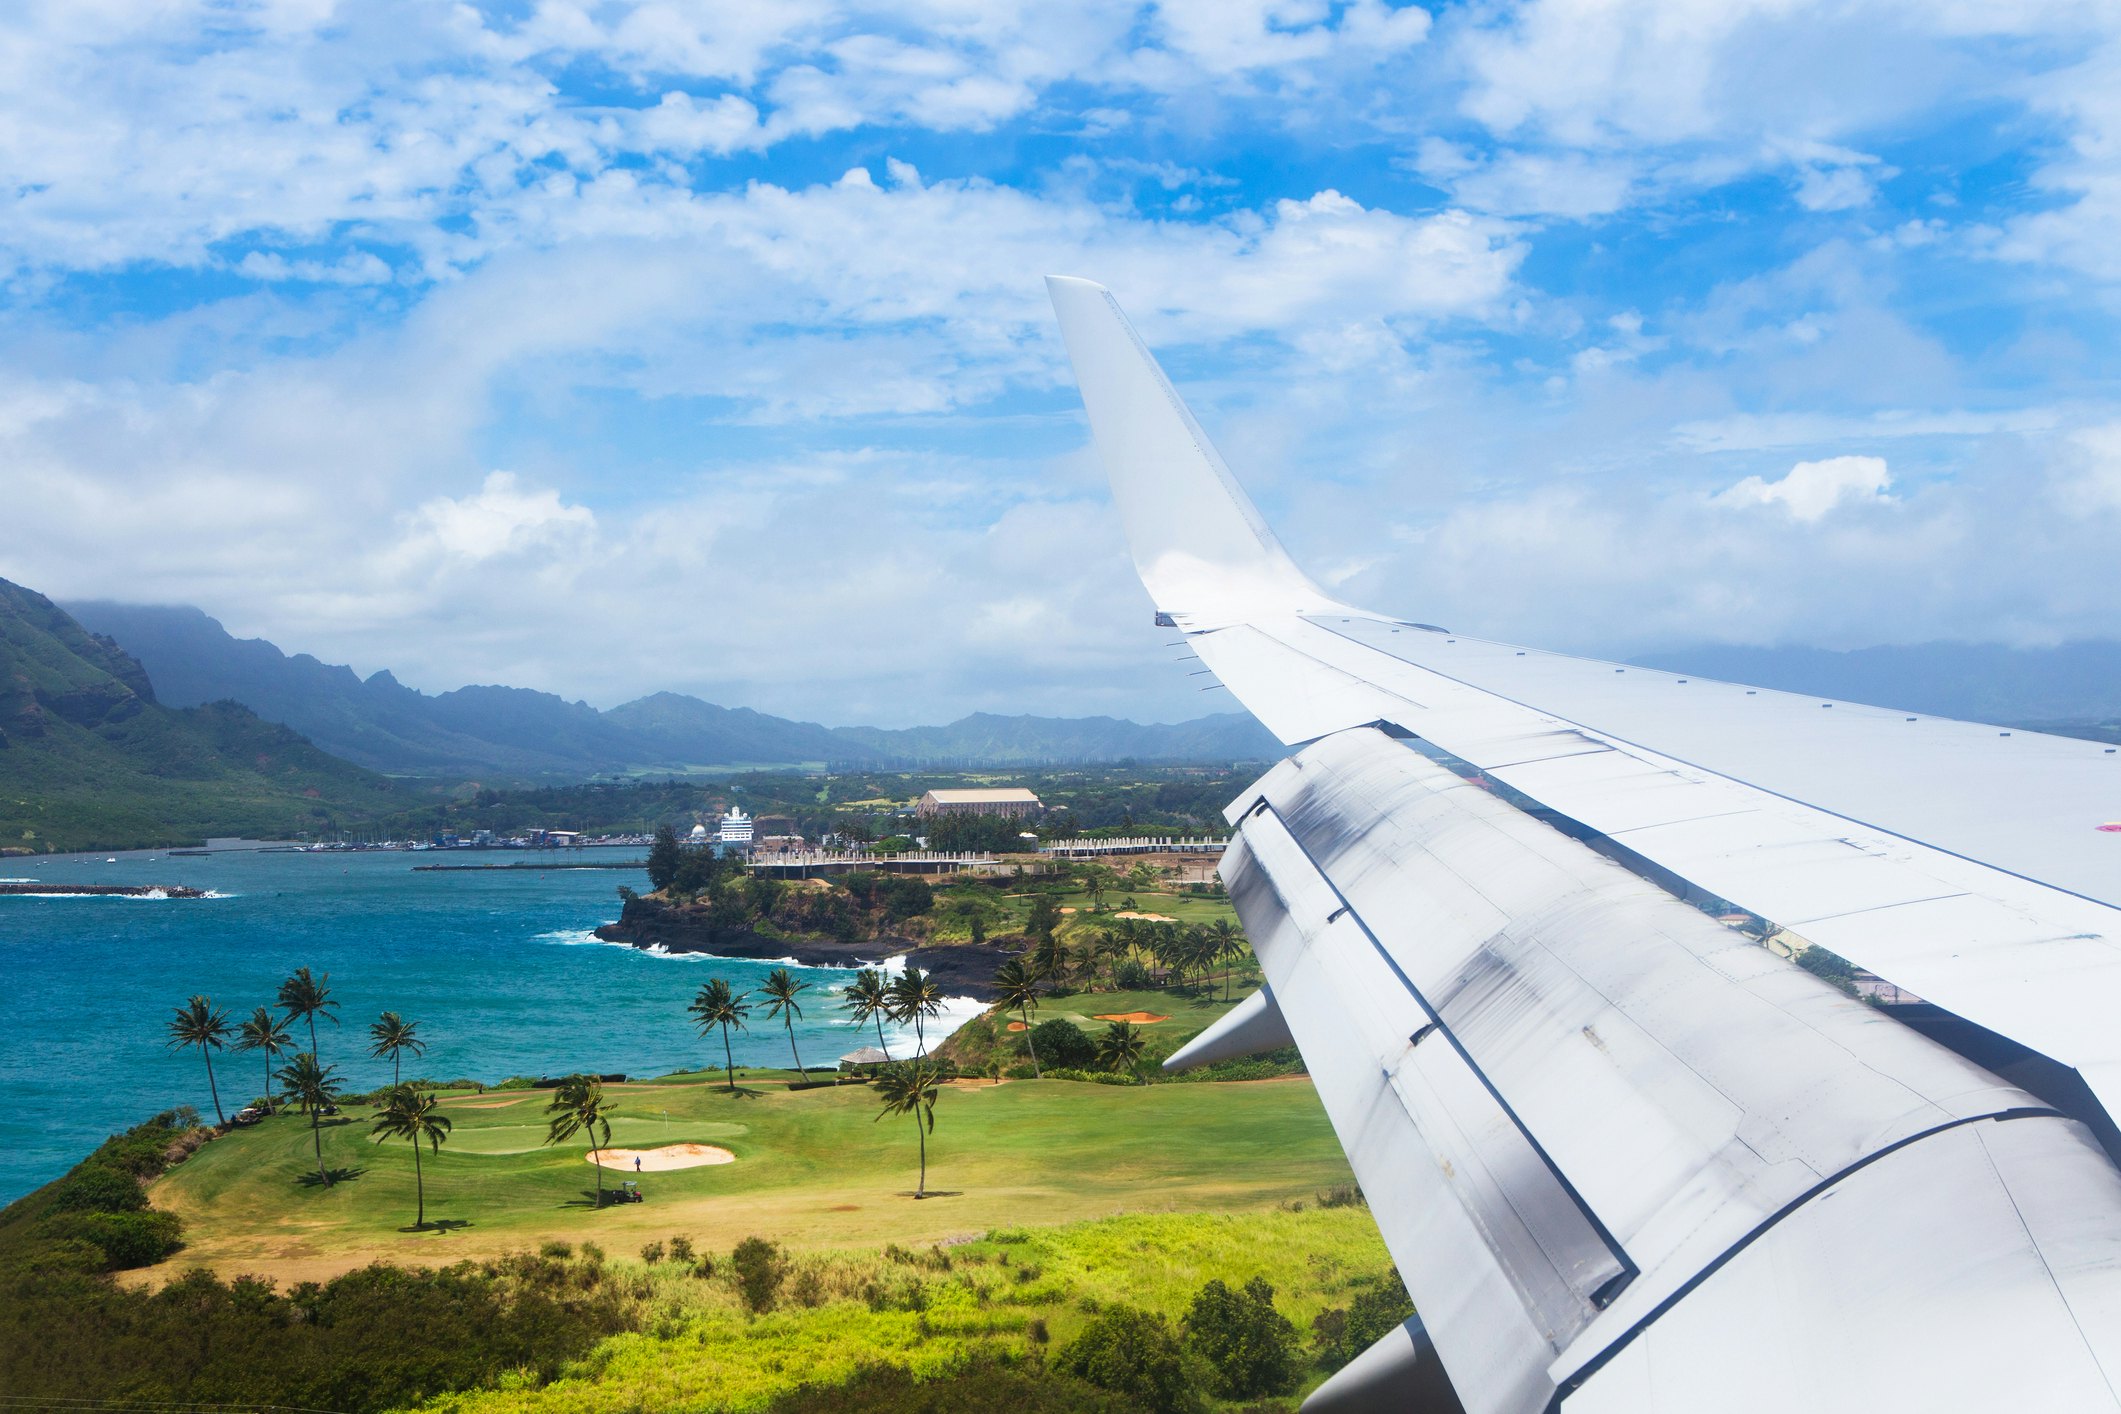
x: 89, y: 759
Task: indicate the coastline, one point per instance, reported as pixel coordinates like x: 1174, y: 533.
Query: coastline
x: 959, y: 969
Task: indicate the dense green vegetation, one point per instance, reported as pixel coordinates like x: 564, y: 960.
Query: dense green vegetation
x: 90, y: 760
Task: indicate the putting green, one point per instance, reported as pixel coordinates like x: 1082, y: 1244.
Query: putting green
x: 627, y: 1131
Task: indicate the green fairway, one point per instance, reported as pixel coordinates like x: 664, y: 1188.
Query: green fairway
x: 813, y: 1168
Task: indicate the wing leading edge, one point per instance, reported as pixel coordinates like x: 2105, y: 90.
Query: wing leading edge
x: 1606, y: 1138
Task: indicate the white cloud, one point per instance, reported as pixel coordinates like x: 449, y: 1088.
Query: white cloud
x: 2091, y: 481
x: 1809, y: 491
x: 500, y: 519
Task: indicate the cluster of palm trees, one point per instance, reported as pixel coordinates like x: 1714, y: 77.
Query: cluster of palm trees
x: 1186, y: 950
x: 305, y: 1081
x: 912, y: 996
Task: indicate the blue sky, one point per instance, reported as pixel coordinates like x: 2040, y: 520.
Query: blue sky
x: 607, y: 347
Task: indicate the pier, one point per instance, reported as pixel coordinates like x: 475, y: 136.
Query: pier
x: 1146, y: 844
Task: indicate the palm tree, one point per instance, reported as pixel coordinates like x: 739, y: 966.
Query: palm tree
x: 716, y: 1006
x: 780, y: 988
x: 413, y: 1114
x: 393, y: 1035
x: 1016, y: 985
x: 199, y: 1023
x: 1229, y: 946
x: 579, y: 1106
x: 868, y: 999
x: 265, y: 1032
x: 914, y: 998
x: 910, y: 1088
x: 314, y: 1088
x: 1121, y: 1046
x: 304, y: 998
x: 1050, y: 957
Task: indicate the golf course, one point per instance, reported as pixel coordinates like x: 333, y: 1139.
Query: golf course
x: 813, y: 1168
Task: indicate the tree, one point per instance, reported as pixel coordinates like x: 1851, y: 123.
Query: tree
x: 305, y: 998
x: 1050, y: 959
x: 416, y: 1115
x: 869, y: 1000
x: 1044, y: 918
x: 716, y: 1006
x: 1120, y: 1048
x: 664, y: 857
x: 265, y: 1032
x: 392, y: 1036
x: 1136, y: 1354
x: 914, y: 998
x: 1252, y: 1347
x: 910, y: 1088
x: 1096, y: 879
x: 1015, y: 985
x: 200, y: 1023
x: 314, y: 1088
x: 780, y: 988
x: 578, y: 1107
x: 1229, y: 946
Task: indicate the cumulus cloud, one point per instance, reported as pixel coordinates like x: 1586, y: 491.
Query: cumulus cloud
x: 744, y: 300
x: 1810, y: 491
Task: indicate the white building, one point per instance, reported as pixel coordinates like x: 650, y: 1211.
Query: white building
x: 698, y: 835
x: 736, y: 827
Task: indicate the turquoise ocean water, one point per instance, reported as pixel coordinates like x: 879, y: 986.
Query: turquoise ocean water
x: 499, y: 969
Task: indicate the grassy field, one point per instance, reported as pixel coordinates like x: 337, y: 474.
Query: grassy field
x: 814, y: 1168
x: 1013, y: 1290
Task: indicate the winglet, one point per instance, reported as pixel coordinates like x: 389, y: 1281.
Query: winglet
x: 1199, y: 543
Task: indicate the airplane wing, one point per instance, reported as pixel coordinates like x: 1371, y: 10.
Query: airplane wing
x: 1625, y: 1157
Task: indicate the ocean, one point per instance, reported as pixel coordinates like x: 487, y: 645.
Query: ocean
x: 500, y: 968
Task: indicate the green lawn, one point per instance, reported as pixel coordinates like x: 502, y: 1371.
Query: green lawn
x: 813, y: 1169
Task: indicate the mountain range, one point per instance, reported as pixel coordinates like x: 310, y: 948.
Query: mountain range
x: 380, y: 723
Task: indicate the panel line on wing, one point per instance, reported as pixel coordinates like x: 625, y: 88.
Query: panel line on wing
x: 1265, y: 818
x: 1582, y: 1373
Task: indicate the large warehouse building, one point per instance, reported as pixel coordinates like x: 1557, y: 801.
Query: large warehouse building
x: 1011, y: 801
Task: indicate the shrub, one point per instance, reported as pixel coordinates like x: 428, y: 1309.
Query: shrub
x: 652, y: 1253
x: 680, y: 1249
x: 1251, y: 1346
x: 1060, y: 1042
x: 98, y: 1188
x: 1135, y: 1354
x: 1130, y: 975
x: 126, y: 1240
x: 1341, y: 1334
x: 986, y: 1386
x: 760, y: 1269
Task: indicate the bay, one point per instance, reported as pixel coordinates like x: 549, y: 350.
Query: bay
x: 499, y: 967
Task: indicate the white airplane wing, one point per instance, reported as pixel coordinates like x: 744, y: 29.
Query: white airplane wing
x: 1626, y: 1158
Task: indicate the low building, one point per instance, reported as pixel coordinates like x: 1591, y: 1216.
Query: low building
x: 1012, y: 801
x: 698, y: 835
x: 867, y: 1059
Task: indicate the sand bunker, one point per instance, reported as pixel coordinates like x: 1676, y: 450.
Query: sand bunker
x: 486, y: 1104
x: 1139, y: 1018
x: 1145, y: 917
x: 669, y: 1156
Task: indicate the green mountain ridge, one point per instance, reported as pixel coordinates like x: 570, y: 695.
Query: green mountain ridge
x: 90, y: 759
